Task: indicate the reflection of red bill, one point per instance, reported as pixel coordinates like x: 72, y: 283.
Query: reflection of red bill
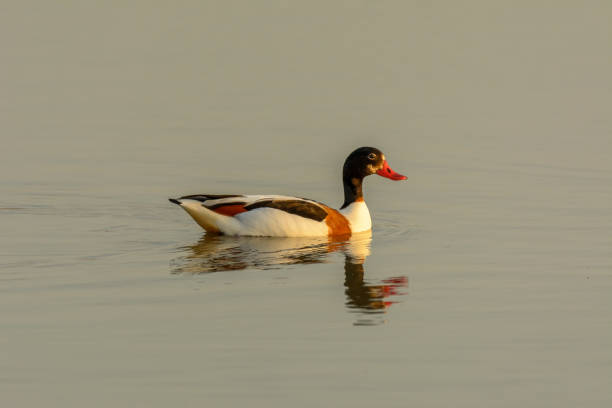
x: 392, y: 289
x: 398, y: 280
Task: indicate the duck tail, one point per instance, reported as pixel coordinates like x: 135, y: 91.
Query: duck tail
x: 207, y: 219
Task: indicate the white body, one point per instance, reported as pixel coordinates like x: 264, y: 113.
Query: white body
x: 270, y: 221
x: 358, y: 216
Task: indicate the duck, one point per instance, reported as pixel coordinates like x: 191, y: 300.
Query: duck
x: 286, y: 216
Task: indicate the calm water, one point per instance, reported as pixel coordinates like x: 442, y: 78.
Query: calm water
x: 487, y: 278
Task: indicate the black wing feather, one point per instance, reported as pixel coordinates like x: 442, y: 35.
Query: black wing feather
x: 205, y: 197
x: 298, y: 207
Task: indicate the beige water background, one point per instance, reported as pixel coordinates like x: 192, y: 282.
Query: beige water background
x: 489, y: 276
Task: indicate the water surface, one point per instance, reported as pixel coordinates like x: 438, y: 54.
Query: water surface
x: 486, y: 280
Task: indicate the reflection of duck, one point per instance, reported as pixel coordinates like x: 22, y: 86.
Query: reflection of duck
x: 214, y: 253
x: 367, y: 297
x: 282, y: 216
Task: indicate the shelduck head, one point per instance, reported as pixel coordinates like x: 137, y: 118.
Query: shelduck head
x: 365, y: 161
x: 361, y: 163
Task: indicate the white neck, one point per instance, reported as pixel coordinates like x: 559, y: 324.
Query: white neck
x: 358, y: 215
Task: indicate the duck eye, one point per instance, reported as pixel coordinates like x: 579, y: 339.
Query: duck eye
x: 372, y: 156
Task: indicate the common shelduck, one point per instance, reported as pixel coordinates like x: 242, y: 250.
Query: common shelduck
x: 283, y: 216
